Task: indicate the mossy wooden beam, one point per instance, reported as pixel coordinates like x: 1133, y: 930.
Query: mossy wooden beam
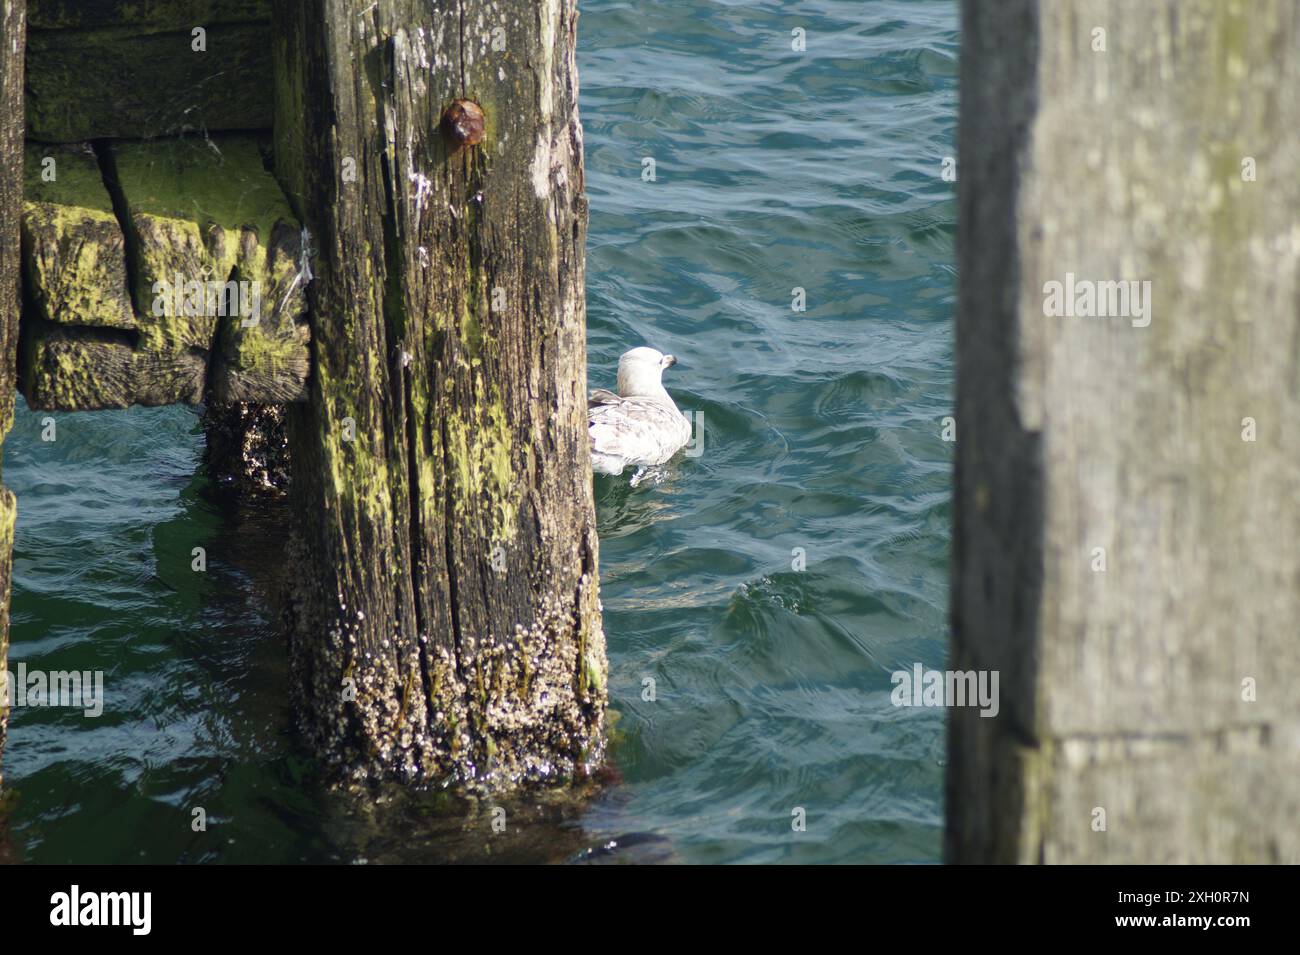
x: 75, y: 253
x: 1126, y: 512
x: 145, y: 16
x: 199, y: 235
x: 210, y: 211
x: 12, y: 42
x: 74, y: 369
x: 449, y: 628
x: 119, y: 82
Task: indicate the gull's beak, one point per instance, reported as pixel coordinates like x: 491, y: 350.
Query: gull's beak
x: 670, y: 360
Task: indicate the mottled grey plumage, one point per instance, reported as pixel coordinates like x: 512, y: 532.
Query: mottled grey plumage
x: 639, y: 425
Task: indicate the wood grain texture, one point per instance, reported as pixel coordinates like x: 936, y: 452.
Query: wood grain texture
x: 143, y: 15
x: 120, y: 82
x: 74, y: 253
x: 13, y: 33
x: 441, y: 468
x: 181, y: 277
x: 1123, y: 688
x: 72, y: 368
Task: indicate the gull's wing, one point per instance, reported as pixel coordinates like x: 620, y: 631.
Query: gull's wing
x: 637, y: 430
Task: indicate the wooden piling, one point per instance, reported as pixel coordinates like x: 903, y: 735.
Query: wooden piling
x: 13, y: 35
x: 448, y: 624
x: 1126, y: 512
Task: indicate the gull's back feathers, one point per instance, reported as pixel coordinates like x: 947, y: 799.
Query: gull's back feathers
x: 641, y: 428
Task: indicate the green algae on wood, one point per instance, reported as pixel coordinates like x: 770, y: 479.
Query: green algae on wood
x: 8, y: 512
x: 12, y: 49
x: 267, y: 359
x: 121, y: 83
x: 80, y: 369
x: 483, y: 486
x: 146, y: 16
x: 448, y: 628
x: 195, y: 212
x: 74, y: 254
x: 209, y: 212
x: 218, y: 278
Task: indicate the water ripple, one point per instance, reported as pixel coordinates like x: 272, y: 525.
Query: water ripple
x: 770, y: 585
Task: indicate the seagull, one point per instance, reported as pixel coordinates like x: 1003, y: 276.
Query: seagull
x: 640, y: 425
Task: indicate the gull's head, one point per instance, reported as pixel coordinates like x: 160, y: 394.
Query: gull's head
x: 640, y: 371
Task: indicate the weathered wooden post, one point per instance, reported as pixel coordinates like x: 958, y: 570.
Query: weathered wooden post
x: 1125, y: 545
x: 13, y: 38
x: 448, y: 624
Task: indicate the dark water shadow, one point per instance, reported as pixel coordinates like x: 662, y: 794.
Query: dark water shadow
x: 273, y: 795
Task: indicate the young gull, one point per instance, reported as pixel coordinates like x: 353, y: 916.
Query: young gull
x: 640, y: 425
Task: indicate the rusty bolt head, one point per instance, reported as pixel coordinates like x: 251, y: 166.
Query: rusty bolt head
x: 463, y: 123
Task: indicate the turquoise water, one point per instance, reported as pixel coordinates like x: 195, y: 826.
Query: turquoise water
x: 773, y: 170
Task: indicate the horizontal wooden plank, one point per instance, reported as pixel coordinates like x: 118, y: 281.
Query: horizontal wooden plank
x: 74, y: 253
x: 202, y: 234
x: 77, y: 369
x: 122, y: 83
x: 210, y: 212
x: 1181, y: 800
x: 142, y: 15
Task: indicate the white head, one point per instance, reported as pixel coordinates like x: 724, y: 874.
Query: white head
x: 640, y: 371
